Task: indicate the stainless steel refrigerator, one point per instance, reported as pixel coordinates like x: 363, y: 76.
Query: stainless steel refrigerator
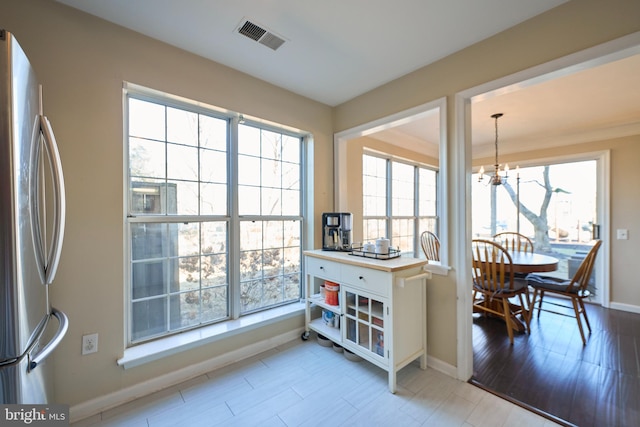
x: 32, y: 217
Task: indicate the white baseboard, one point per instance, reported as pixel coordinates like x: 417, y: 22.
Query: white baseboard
x: 117, y: 398
x: 624, y: 307
x: 441, y: 366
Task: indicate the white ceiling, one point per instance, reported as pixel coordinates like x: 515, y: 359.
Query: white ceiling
x: 335, y: 50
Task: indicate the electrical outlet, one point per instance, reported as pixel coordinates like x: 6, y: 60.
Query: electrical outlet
x: 89, y: 343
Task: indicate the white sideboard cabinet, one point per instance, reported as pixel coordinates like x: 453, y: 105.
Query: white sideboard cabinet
x: 381, y: 312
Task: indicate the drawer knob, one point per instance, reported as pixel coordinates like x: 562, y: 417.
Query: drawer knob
x: 321, y: 268
x: 360, y: 277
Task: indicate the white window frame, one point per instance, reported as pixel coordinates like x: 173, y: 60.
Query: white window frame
x: 416, y: 216
x: 232, y: 218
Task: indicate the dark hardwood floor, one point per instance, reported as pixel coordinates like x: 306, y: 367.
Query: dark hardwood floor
x: 594, y: 385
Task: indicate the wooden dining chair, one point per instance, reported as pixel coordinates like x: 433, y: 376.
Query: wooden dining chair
x: 575, y: 289
x: 514, y: 241
x: 430, y: 245
x: 494, y: 284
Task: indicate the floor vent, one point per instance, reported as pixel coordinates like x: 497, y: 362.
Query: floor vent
x: 261, y: 35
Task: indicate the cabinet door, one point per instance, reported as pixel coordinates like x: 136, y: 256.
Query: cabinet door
x: 363, y: 323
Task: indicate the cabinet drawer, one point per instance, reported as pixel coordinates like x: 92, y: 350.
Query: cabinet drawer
x: 367, y: 279
x: 323, y: 268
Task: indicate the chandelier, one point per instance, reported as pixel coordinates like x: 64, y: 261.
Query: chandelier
x: 498, y: 176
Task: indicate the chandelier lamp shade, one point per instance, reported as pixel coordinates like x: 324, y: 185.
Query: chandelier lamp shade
x: 498, y: 177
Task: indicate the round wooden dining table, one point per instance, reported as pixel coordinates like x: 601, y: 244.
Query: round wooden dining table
x: 527, y: 262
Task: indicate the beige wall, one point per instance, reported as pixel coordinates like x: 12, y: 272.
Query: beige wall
x: 82, y: 63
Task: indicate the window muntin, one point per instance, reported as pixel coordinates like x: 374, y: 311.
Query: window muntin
x: 180, y: 221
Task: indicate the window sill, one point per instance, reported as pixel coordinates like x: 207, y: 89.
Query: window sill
x: 435, y: 267
x: 154, y: 350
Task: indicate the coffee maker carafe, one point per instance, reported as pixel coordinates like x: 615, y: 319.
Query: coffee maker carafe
x: 336, y: 231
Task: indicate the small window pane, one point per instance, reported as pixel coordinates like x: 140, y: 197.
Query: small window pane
x: 146, y: 119
x: 182, y: 127
x: 147, y: 158
x: 248, y: 200
x: 182, y: 162
x: 271, y: 145
x: 271, y: 173
x: 271, y: 201
x: 148, y: 279
x: 248, y: 140
x: 213, y: 166
x: 148, y: 318
x: 248, y: 170
x: 213, y: 199
x: 187, y: 198
x: 213, y: 133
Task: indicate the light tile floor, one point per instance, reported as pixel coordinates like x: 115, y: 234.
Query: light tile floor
x: 305, y: 384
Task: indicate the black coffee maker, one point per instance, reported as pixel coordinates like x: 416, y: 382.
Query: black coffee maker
x: 336, y: 231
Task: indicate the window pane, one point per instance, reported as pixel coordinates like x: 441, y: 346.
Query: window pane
x: 374, y: 182
x: 213, y: 166
x: 148, y: 197
x: 148, y: 279
x: 148, y: 318
x: 271, y: 201
x: 213, y: 199
x: 187, y: 200
x: 290, y: 149
x: 182, y: 162
x: 270, y: 263
x: 213, y: 133
x: 182, y: 127
x: 249, y: 140
x: 290, y: 176
x: 427, y: 191
x: 150, y: 241
x: 146, y: 119
x: 374, y: 229
x: 248, y: 200
x: 403, y: 186
x: 403, y: 235
x: 271, y: 145
x: 271, y: 173
x: 249, y: 170
x: 146, y: 158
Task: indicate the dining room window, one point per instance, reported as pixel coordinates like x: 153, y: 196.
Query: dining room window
x: 399, y: 201
x: 213, y: 215
x: 546, y: 203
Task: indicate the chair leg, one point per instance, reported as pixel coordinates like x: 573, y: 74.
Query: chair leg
x: 540, y: 302
x: 576, y: 308
x: 584, y: 313
x: 507, y: 318
x: 525, y: 311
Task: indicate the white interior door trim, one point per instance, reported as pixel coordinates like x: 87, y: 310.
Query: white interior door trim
x: 461, y: 167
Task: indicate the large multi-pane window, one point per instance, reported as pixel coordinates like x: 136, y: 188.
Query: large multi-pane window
x: 206, y: 244
x: 399, y: 201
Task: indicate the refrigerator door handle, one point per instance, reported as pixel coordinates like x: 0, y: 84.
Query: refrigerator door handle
x: 47, y: 267
x: 34, y: 199
x: 59, y: 199
x: 63, y: 325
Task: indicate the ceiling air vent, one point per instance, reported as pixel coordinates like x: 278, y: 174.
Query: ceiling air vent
x: 261, y: 35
